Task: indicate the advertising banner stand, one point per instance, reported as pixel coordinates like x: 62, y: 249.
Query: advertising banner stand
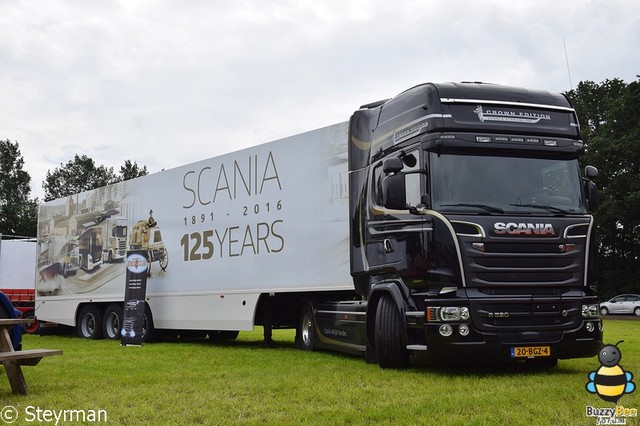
x: 134, y: 298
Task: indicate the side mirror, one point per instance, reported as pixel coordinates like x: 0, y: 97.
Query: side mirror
x: 394, y: 192
x: 590, y: 188
x: 592, y: 195
x: 591, y: 172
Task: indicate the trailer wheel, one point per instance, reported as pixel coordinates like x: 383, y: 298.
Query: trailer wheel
x: 112, y: 321
x: 89, y: 323
x: 390, y: 338
x: 164, y: 259
x: 34, y: 327
x: 306, y: 329
x: 148, y: 330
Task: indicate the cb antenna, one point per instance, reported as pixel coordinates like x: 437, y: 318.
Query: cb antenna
x: 566, y: 58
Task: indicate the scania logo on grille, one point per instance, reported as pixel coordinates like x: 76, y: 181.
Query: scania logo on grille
x: 512, y: 228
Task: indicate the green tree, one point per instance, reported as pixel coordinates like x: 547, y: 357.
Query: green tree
x: 77, y: 175
x: 82, y: 174
x: 131, y: 171
x: 609, y: 115
x: 18, y: 213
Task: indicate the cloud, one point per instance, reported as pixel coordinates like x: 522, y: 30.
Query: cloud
x: 166, y: 83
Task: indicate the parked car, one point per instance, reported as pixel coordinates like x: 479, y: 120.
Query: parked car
x: 622, y: 304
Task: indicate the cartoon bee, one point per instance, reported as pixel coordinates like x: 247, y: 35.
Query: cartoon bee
x: 610, y: 381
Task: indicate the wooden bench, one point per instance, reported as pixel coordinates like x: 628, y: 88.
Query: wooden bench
x: 12, y: 360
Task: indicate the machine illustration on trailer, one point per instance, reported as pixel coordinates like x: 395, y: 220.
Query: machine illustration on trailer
x: 79, y: 238
x: 104, y: 238
x: 146, y: 235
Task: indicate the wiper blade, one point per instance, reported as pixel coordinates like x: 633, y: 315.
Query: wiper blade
x: 543, y: 207
x: 486, y: 207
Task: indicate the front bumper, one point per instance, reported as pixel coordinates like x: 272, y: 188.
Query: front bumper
x: 481, y: 346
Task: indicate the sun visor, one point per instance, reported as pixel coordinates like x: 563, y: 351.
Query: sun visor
x: 500, y: 118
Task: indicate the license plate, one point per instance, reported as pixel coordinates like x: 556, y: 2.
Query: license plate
x: 530, y: 351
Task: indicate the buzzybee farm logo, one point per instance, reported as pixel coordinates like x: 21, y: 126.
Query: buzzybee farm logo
x: 610, y: 382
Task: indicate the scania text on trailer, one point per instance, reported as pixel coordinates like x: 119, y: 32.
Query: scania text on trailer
x: 449, y: 222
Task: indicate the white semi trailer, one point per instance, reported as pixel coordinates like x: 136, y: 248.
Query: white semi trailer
x: 250, y: 235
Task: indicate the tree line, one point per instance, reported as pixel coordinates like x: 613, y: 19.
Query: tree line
x: 609, y: 115
x: 19, y: 212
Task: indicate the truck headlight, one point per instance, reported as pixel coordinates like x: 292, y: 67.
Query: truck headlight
x: 447, y: 313
x: 590, y: 311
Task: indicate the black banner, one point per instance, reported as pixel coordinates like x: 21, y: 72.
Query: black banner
x: 134, y: 296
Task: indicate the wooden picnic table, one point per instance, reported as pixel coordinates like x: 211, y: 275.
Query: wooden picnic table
x: 13, y: 360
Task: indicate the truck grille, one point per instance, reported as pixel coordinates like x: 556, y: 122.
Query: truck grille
x: 525, y: 285
x: 523, y: 263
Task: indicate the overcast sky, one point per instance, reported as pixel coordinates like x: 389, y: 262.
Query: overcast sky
x: 166, y: 83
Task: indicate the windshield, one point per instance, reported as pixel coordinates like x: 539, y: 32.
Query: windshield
x: 510, y: 185
x: 120, y: 231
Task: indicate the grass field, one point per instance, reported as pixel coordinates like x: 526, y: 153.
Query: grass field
x: 243, y: 383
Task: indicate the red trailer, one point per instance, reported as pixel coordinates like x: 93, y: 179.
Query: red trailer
x: 23, y: 299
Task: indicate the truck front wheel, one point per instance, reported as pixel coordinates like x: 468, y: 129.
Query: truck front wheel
x: 90, y: 323
x: 390, y: 338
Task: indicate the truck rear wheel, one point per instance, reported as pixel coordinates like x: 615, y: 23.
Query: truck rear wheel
x: 390, y: 338
x: 89, y: 323
x: 306, y: 328
x: 112, y: 321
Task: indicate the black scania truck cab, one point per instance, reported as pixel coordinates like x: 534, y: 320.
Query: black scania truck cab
x: 470, y: 229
